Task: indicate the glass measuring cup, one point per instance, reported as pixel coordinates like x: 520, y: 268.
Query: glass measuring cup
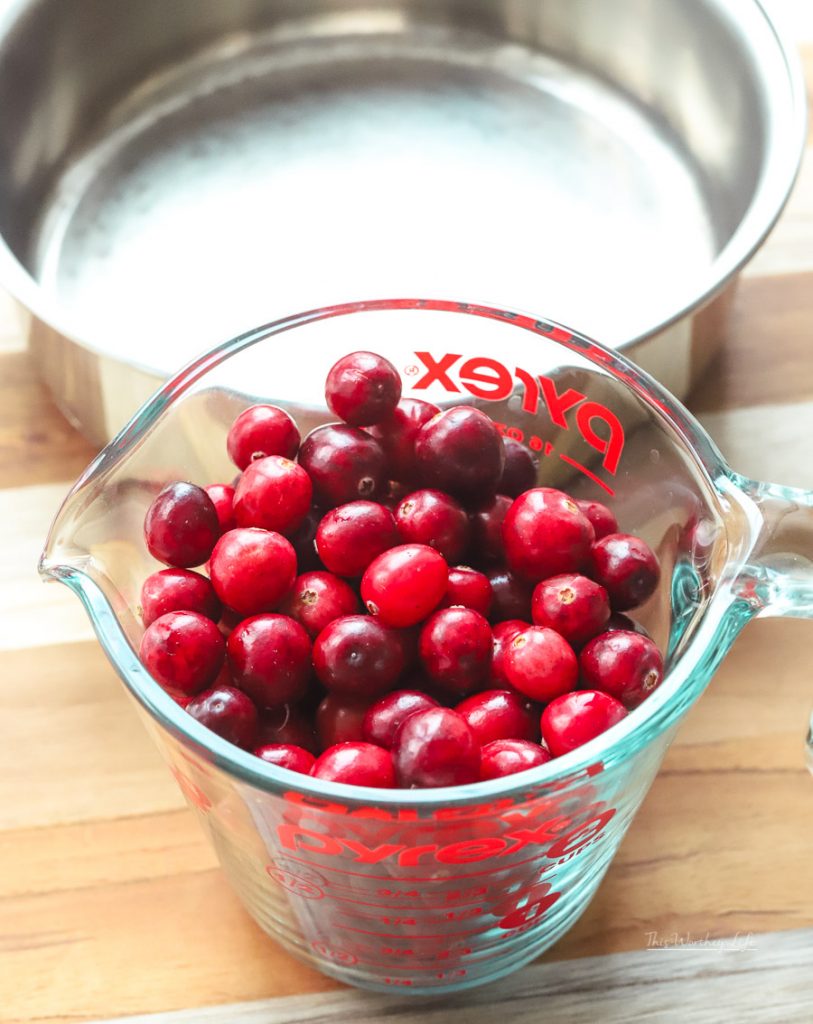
x: 443, y: 889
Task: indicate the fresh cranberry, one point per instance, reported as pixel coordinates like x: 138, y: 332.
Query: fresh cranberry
x: 383, y: 718
x: 286, y: 755
x: 455, y: 649
x: 541, y: 664
x: 358, y: 656
x: 356, y: 764
x: 270, y: 658
x: 344, y: 464
x: 628, y: 666
x: 601, y: 518
x: 397, y: 434
x: 274, y: 494
x: 340, y: 719
x: 403, y: 585
x: 252, y: 570
x: 227, y: 712
x: 178, y: 590
x: 486, y: 530
x: 183, y: 651
x: 222, y: 496
x: 181, y: 526
x: 503, y: 633
x: 288, y: 725
x: 507, y: 757
x: 627, y: 568
x: 460, y: 451
x: 303, y: 540
x: 520, y: 469
x: 394, y: 494
x: 362, y: 388
x: 545, y: 534
x: 618, y: 620
x: 260, y: 431
x: 183, y: 700
x: 317, y: 599
x: 436, y: 519
x: 510, y: 596
x: 500, y: 715
x: 468, y: 588
x: 573, y: 605
x: 575, y: 718
x: 436, y: 747
x: 351, y: 536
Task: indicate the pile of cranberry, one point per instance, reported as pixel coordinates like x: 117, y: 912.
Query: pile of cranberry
x: 336, y: 631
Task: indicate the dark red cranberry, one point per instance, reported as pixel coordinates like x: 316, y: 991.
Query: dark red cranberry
x: 303, y: 539
x: 397, y: 434
x: 252, y: 570
x: 222, y: 496
x: 468, y: 588
x: 340, y: 719
x: 286, y: 755
x: 270, y: 658
x: 541, y: 664
x: 317, y: 599
x: 507, y: 757
x: 520, y: 469
x: 618, y: 620
x: 183, y: 651
x: 436, y: 747
x: 260, y: 431
x: 394, y: 494
x: 460, y: 451
x: 178, y: 590
x: 503, y: 633
x: 344, y: 464
x: 455, y: 649
x: 274, y: 494
x: 362, y: 388
x: 358, y: 656
x: 181, y: 526
x: 627, y: 568
x: 546, y: 534
x: 356, y: 764
x: 628, y: 666
x: 486, y: 530
x: 403, y: 585
x: 510, y: 596
x: 288, y: 725
x: 573, y: 605
x: 601, y: 518
x: 351, y: 536
x: 383, y: 718
x: 500, y: 715
x: 436, y: 519
x: 575, y: 718
x: 227, y: 712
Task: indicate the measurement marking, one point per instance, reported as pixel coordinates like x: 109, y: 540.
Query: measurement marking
x: 404, y: 936
x: 451, y: 879
x: 587, y: 472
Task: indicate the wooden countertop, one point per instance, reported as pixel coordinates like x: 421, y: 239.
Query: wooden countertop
x: 112, y: 903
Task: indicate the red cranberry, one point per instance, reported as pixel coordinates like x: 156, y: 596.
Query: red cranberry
x: 252, y: 570
x: 575, y: 718
x: 397, y: 434
x: 486, y: 530
x: 545, y: 534
x: 503, y: 633
x: 359, y: 656
x: 362, y: 388
x: 222, y: 496
x: 628, y: 666
x: 303, y: 539
x: 178, y: 590
x: 433, y: 518
x: 181, y: 526
x: 356, y: 764
x: 274, y: 494
x: 627, y: 568
x: 340, y: 719
x: 286, y: 755
x: 351, y: 536
x: 601, y: 518
x: 520, y: 469
x: 260, y: 431
x: 468, y: 588
x: 541, y: 664
x: 436, y: 747
x: 183, y: 651
x: 510, y: 597
x: 270, y: 658
x: 455, y: 649
x: 227, y: 712
x: 499, y: 715
x: 344, y: 464
x: 317, y: 599
x: 288, y: 725
x: 383, y: 718
x: 573, y: 605
x: 460, y: 451
x: 403, y: 585
x: 507, y: 757
x: 618, y: 620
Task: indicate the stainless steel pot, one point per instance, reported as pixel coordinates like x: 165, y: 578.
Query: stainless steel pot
x: 172, y: 173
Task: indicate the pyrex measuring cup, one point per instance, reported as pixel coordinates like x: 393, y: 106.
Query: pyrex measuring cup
x: 448, y: 888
